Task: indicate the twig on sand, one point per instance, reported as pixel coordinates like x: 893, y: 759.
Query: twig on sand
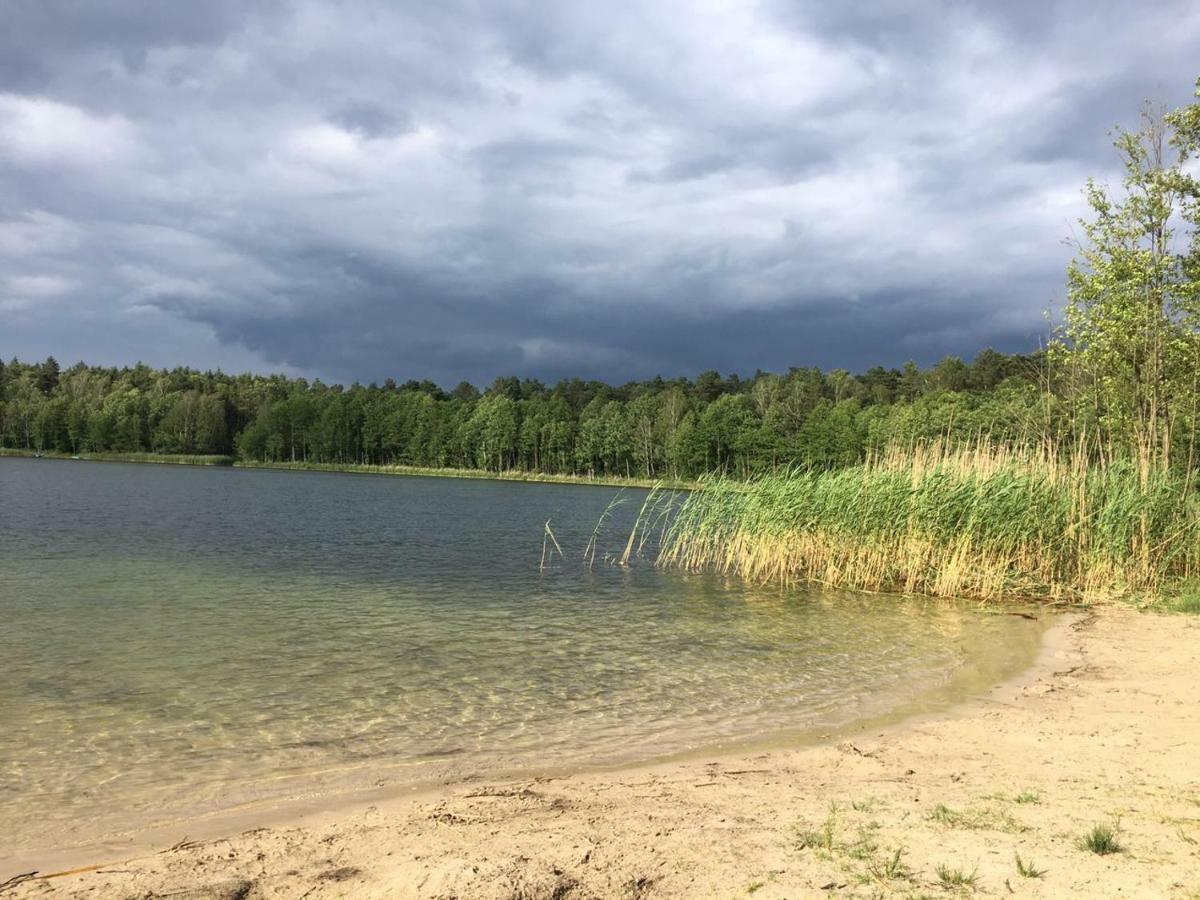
x: 185, y: 844
x: 17, y: 879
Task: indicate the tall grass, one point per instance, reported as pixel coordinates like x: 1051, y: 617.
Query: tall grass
x: 983, y: 522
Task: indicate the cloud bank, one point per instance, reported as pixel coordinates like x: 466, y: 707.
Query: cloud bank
x: 356, y: 190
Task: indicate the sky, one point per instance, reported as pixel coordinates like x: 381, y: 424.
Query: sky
x: 356, y: 190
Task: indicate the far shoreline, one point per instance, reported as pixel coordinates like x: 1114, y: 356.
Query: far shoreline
x: 216, y: 461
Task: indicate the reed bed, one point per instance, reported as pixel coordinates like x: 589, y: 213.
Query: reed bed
x: 981, y: 522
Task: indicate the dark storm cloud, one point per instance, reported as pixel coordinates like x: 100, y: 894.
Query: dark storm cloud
x: 359, y: 189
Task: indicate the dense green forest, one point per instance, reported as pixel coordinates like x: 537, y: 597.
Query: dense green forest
x: 676, y: 428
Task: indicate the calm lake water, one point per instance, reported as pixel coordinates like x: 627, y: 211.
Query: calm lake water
x: 177, y: 640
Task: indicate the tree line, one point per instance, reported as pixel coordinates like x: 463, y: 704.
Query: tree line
x: 675, y: 428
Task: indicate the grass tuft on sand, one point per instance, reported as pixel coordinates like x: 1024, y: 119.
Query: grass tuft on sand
x: 1101, y: 840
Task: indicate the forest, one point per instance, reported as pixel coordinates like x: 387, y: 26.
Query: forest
x: 677, y: 428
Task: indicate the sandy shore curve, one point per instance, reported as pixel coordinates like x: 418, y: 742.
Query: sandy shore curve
x: 1103, y: 730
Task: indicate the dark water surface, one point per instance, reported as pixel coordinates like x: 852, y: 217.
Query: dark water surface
x: 176, y: 640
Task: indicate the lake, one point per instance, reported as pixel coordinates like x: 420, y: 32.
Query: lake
x: 180, y: 640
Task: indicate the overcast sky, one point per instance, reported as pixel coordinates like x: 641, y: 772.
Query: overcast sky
x: 351, y: 189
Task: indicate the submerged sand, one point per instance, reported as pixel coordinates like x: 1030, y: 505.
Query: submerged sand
x: 1104, y: 729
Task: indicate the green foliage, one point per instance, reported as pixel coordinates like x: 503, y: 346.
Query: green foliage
x: 1101, y: 840
x: 1186, y: 603
x: 952, y: 879
x: 675, y: 430
x: 890, y: 868
x: 1185, y: 598
x: 1026, y: 868
x: 1128, y: 352
x: 823, y: 838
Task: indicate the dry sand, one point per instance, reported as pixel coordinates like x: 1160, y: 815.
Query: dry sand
x: 1104, y: 729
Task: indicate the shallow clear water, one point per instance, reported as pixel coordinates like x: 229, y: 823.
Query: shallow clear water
x: 175, y: 640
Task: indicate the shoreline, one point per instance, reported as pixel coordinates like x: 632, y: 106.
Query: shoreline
x: 1100, y: 729
x: 230, y: 462
x: 978, y: 673
x: 471, y: 836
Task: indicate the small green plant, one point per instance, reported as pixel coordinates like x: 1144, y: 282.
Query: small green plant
x: 864, y: 848
x: 1026, y: 868
x: 1101, y: 840
x: 891, y: 868
x: 945, y: 815
x: 822, y: 838
x: 806, y: 838
x: 755, y: 886
x: 956, y: 878
x: 1028, y: 797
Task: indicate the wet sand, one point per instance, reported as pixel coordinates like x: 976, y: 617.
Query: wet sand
x: 1103, y: 729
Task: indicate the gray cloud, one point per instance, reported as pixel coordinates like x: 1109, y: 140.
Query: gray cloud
x: 360, y: 189
x: 370, y: 120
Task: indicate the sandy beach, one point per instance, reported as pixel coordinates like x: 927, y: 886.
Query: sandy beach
x: 1102, y: 730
